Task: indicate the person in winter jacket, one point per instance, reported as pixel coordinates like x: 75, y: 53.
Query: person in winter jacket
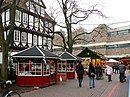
x: 80, y: 72
x: 91, y: 75
x: 122, y: 69
x: 109, y: 72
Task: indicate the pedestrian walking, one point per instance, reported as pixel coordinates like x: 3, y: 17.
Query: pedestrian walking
x: 116, y: 68
x: 109, y: 72
x: 80, y: 72
x: 122, y: 69
x: 91, y: 75
x: 98, y: 69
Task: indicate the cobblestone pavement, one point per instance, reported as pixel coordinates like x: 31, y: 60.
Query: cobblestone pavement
x: 70, y: 88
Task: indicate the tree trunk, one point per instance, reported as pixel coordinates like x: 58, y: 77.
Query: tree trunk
x: 4, y: 66
x: 5, y: 43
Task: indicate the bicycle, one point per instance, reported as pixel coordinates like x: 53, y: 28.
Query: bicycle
x: 7, y: 92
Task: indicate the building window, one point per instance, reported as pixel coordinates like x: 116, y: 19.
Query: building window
x: 49, y: 43
x: 123, y: 32
x: 38, y: 9
x: 31, y: 21
x: 45, y: 43
x: 18, y: 16
x: 29, y: 39
x: 112, y: 46
x: 42, y: 12
x: 7, y: 16
x: 113, y: 33
x: 51, y: 27
x: 123, y: 45
x: 36, y: 23
x: 32, y: 9
x: 35, y: 39
x: 24, y: 37
x: 46, y: 25
x: 25, y: 19
x: 16, y: 35
x: 41, y: 25
x: 40, y: 41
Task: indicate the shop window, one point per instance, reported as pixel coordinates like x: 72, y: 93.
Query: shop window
x: 52, y: 65
x: 28, y: 69
x: 61, y: 67
x: 36, y: 69
x: 70, y: 67
x: 46, y: 70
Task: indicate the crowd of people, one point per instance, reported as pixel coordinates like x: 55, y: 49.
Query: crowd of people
x: 96, y: 72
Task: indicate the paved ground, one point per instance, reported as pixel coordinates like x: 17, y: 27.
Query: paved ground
x: 70, y: 88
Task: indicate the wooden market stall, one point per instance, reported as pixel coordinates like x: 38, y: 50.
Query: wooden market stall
x: 91, y: 56
x: 68, y: 61
x: 126, y: 60
x: 35, y: 67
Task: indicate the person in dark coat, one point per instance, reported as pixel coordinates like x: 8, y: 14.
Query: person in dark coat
x: 98, y: 71
x: 80, y: 72
x: 91, y: 75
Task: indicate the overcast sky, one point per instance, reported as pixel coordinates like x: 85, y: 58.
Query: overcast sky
x: 117, y: 10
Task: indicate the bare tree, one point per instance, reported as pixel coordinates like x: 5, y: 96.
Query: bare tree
x: 74, y: 15
x: 4, y: 42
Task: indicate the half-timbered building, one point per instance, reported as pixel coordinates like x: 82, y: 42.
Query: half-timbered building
x: 33, y: 26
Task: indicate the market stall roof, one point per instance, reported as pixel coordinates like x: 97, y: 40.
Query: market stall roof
x: 125, y: 59
x: 89, y: 53
x: 35, y: 52
x: 68, y: 56
x: 112, y: 61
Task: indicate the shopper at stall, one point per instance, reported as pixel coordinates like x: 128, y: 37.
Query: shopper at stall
x: 80, y: 72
